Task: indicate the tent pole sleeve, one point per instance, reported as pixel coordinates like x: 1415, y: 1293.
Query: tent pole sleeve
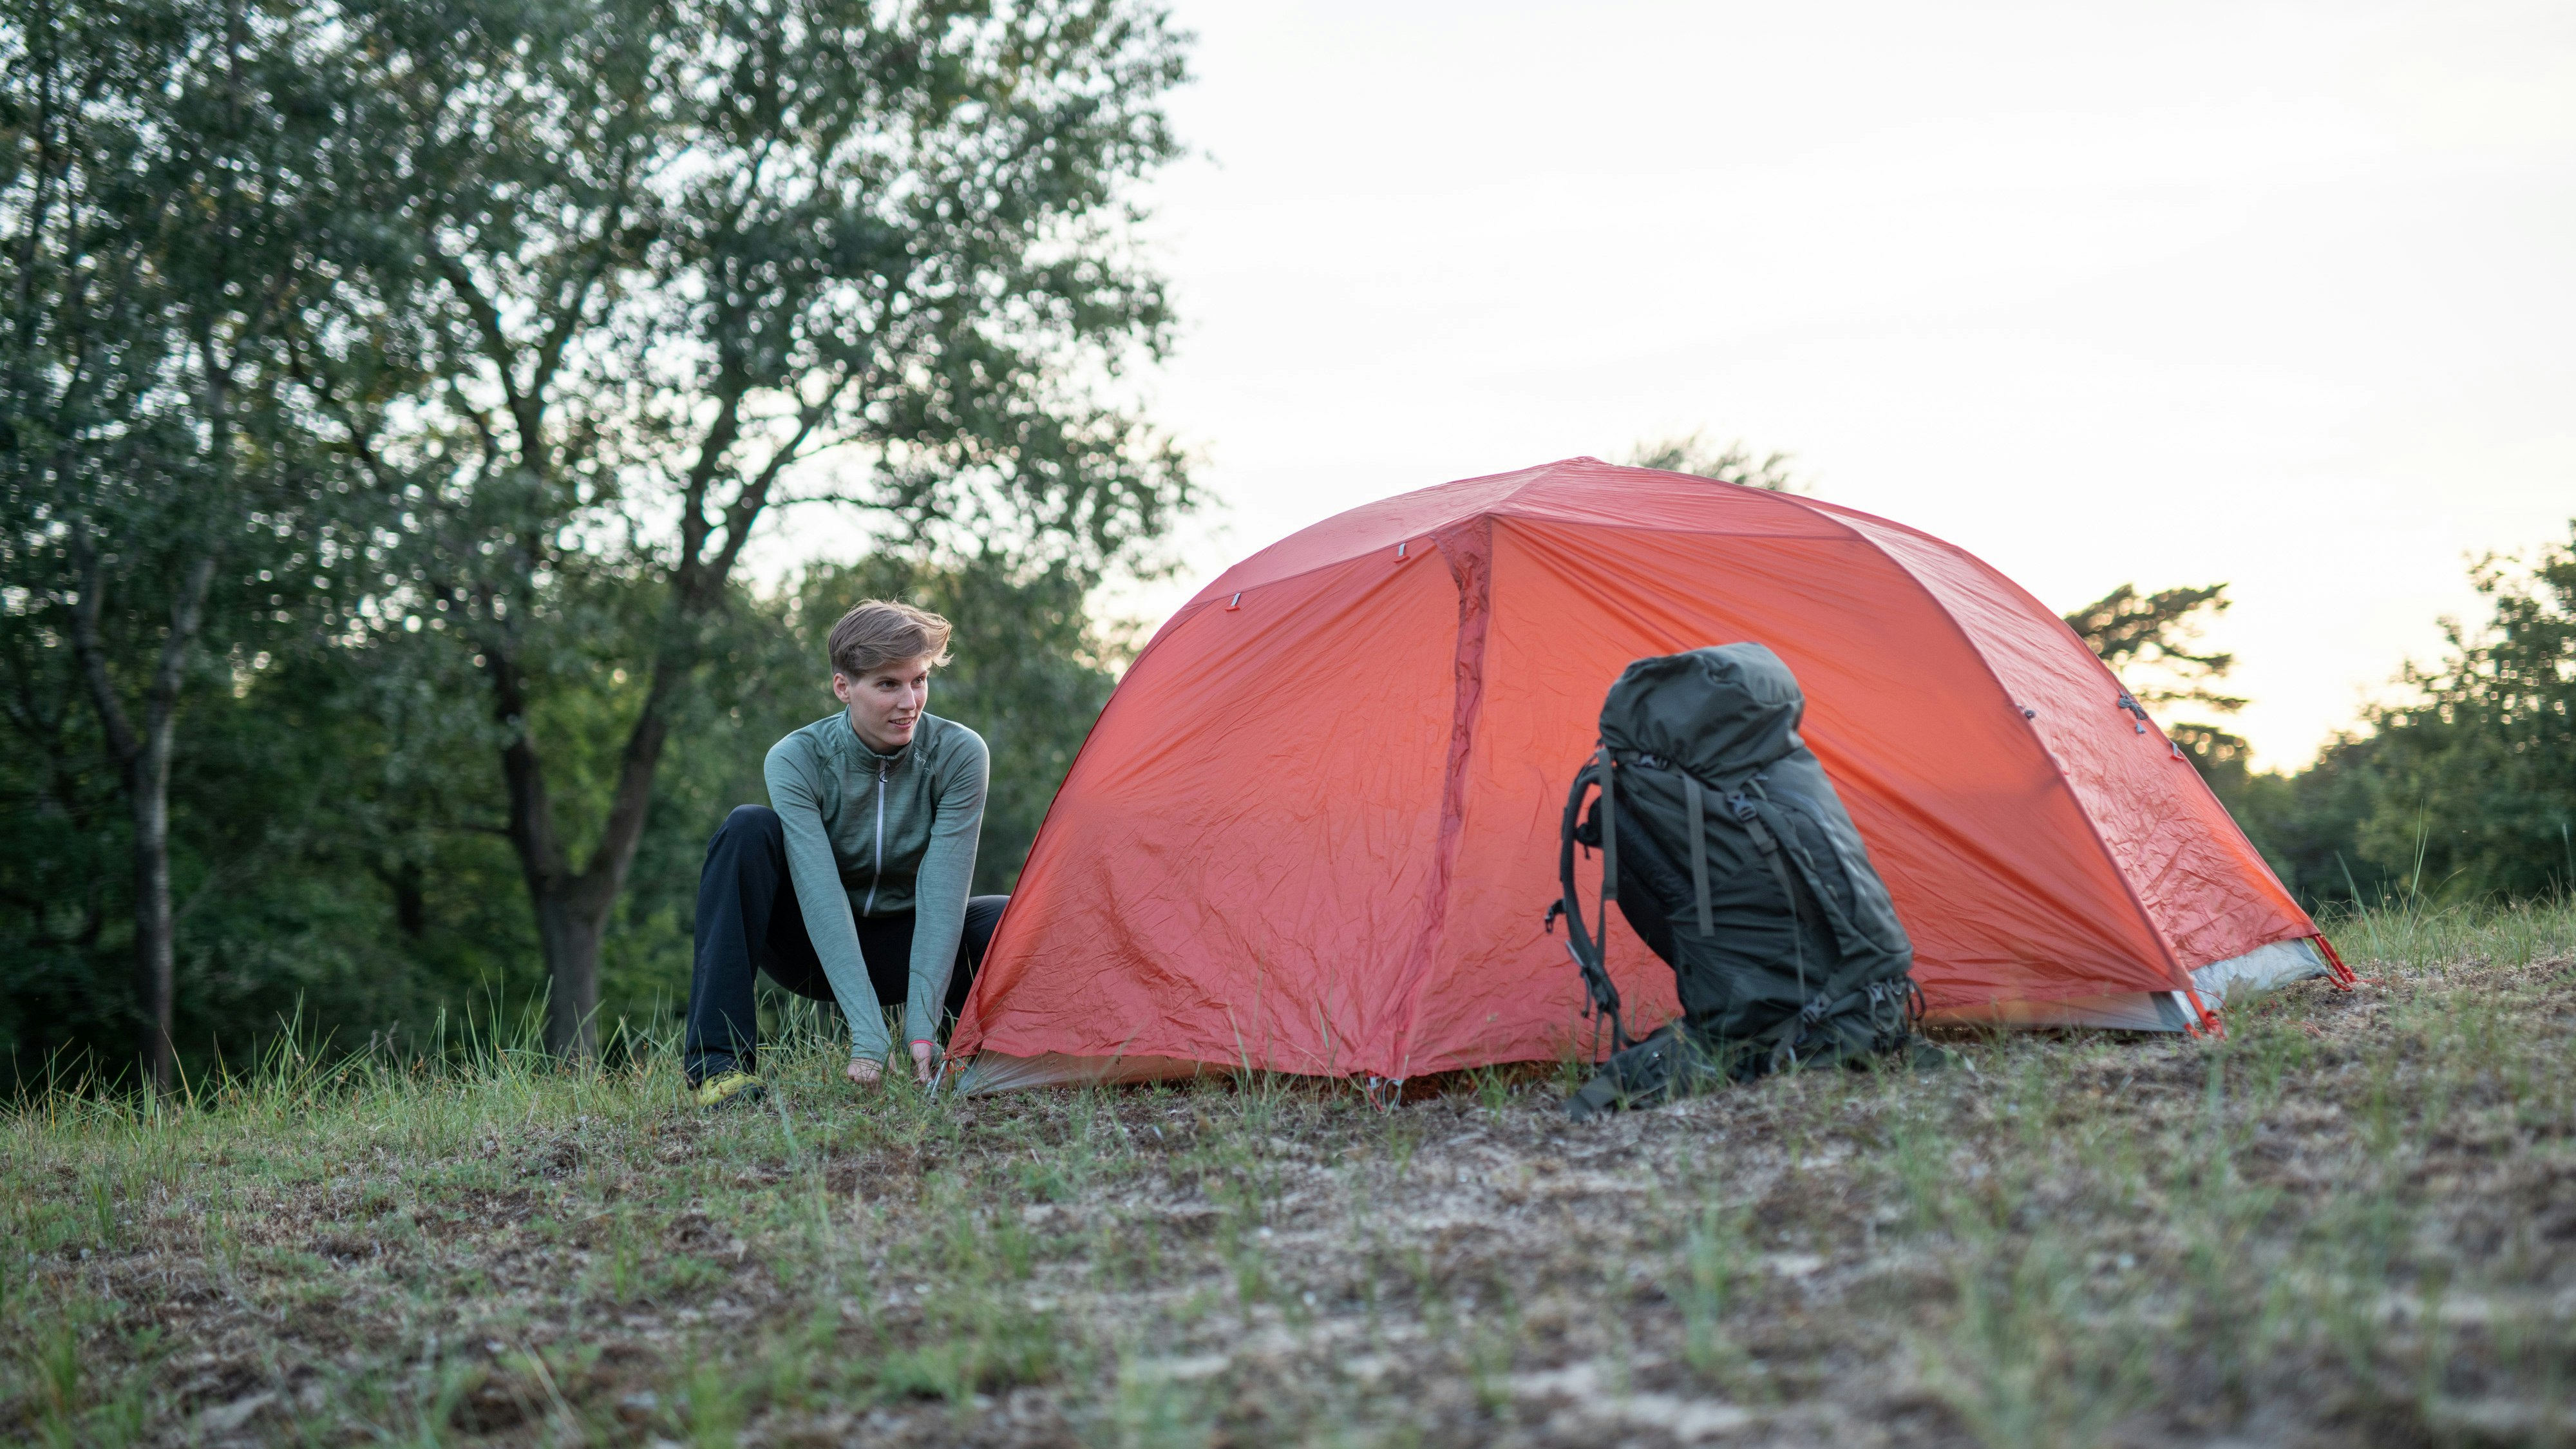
x: 2342, y: 975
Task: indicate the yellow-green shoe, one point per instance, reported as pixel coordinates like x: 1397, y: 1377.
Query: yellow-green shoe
x: 725, y: 1088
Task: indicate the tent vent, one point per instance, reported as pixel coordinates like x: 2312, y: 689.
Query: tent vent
x: 1400, y: 551
x: 1234, y: 603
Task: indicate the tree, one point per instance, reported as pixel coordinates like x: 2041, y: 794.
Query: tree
x: 2148, y: 640
x: 1733, y: 463
x: 2476, y: 774
x: 677, y: 265
x: 2308, y: 823
x: 158, y: 239
x: 82, y: 354
x: 2158, y: 632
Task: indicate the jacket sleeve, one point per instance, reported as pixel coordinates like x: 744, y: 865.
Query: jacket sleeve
x: 947, y: 871
x: 793, y: 779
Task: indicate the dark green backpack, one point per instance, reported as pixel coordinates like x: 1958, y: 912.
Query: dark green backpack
x: 1731, y: 857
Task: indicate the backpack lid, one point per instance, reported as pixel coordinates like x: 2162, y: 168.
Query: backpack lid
x: 1723, y: 711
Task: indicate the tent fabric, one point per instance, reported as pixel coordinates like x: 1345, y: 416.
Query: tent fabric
x: 1314, y: 830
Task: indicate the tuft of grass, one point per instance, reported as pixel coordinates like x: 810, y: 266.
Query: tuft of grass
x: 1713, y: 1264
x: 2035, y: 1361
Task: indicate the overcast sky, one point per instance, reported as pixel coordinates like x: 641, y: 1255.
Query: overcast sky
x: 2277, y: 295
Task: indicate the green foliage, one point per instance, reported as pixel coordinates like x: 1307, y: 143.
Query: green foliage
x: 2465, y: 789
x: 167, y: 523
x: 390, y: 394
x: 665, y: 268
x: 2153, y: 635
x: 2473, y: 781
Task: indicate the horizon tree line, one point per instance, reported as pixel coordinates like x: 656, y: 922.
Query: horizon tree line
x: 389, y: 395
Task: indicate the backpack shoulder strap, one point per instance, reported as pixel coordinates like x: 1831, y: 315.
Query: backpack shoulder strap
x: 1751, y: 806
x: 1590, y: 946
x: 1692, y: 793
x: 1846, y: 932
x: 1609, y: 832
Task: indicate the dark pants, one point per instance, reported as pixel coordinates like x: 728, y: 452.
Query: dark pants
x: 749, y: 920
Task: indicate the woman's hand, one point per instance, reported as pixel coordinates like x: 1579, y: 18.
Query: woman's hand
x: 865, y: 1073
x: 925, y: 1060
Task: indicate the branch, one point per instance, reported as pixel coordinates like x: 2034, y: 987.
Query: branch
x: 754, y: 493
x: 550, y: 353
x: 359, y: 446
x: 696, y: 587
x: 187, y: 612
x: 720, y: 438
x: 483, y: 433
x: 532, y: 815
x: 497, y: 349
x: 624, y: 828
x: 121, y: 744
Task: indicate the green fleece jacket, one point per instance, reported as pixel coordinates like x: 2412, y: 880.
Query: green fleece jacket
x: 877, y: 835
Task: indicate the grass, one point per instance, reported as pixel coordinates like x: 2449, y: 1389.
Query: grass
x: 2350, y: 1220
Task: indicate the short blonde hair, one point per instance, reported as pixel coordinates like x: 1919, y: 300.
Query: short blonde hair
x: 880, y: 632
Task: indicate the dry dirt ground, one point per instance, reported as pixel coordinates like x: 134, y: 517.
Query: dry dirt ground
x: 2351, y: 1220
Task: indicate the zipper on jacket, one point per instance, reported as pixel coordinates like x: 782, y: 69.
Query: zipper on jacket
x: 879, y: 878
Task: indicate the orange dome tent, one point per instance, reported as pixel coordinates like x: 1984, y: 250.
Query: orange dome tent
x: 1316, y: 827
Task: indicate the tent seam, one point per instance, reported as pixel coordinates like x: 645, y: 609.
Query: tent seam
x: 1474, y: 574
x: 2111, y: 675
x: 2057, y: 770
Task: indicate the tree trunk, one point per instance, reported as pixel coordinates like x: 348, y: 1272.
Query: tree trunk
x: 143, y: 760
x: 148, y: 789
x: 572, y: 907
x: 411, y: 898
x: 570, y: 928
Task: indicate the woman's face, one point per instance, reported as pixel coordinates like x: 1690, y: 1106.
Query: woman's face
x: 886, y: 702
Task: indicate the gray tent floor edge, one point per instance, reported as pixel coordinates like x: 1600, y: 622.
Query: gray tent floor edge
x: 2260, y: 969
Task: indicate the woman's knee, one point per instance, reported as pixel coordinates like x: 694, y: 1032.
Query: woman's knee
x: 983, y: 913
x: 748, y: 825
x: 759, y: 818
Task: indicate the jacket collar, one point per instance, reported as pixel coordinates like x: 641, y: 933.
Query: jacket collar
x: 847, y: 736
